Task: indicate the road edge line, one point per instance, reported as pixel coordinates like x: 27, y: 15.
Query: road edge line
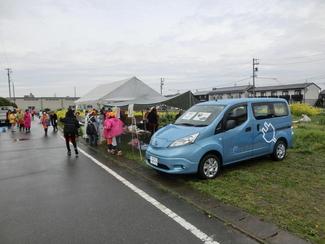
x: 181, y: 221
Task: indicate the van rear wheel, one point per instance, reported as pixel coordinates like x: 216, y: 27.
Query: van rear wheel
x: 209, y: 166
x: 279, y: 151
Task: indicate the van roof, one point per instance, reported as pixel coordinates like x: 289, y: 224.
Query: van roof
x: 242, y: 100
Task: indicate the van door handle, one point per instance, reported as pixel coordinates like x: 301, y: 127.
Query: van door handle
x: 258, y: 127
x: 248, y: 129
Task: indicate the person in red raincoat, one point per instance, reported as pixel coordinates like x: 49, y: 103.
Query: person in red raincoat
x: 27, y: 120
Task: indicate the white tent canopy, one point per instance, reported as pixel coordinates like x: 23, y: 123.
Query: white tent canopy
x: 132, y: 91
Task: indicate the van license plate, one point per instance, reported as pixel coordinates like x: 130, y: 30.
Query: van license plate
x: 154, y: 160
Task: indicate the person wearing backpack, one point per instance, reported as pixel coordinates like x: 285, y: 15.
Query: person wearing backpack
x: 92, y: 130
x: 70, y: 130
x: 54, y: 121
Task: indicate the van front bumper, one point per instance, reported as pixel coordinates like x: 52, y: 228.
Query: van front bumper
x: 173, y: 163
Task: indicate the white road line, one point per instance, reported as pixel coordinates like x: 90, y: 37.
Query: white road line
x: 185, y: 224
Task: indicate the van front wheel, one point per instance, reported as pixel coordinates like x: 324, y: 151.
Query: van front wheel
x: 280, y: 150
x: 209, y: 166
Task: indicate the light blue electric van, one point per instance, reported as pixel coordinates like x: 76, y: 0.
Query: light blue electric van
x: 216, y: 133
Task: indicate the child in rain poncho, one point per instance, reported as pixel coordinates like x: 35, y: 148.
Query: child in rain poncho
x: 113, y: 127
x: 45, y: 121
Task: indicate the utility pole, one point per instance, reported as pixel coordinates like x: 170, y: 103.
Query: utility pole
x: 8, y: 72
x: 305, y: 91
x: 255, y: 69
x: 13, y: 89
x: 162, y: 80
x: 75, y: 91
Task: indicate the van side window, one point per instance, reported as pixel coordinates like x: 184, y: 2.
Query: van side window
x: 238, y: 114
x: 270, y: 110
x: 280, y: 109
x: 262, y: 110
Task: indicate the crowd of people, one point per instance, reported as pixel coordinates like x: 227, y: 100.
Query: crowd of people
x: 104, y: 125
x: 19, y: 119
x: 108, y: 125
x: 22, y: 120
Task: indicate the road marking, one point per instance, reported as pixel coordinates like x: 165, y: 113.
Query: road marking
x: 185, y: 224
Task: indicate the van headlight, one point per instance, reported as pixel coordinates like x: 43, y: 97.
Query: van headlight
x: 184, y: 141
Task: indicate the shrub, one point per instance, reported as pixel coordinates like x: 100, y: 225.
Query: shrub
x: 6, y: 102
x: 322, y: 121
x: 61, y: 113
x: 302, y: 108
x: 166, y: 118
x: 319, y: 103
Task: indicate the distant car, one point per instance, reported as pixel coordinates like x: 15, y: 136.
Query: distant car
x: 216, y: 133
x: 162, y: 107
x: 3, y: 114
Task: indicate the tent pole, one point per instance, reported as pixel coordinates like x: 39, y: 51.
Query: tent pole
x: 137, y: 135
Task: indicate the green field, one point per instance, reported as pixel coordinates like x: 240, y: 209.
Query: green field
x: 289, y: 193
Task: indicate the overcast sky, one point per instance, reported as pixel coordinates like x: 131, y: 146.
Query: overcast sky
x: 52, y: 46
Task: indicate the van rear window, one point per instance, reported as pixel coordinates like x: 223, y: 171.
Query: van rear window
x: 280, y: 109
x: 270, y: 110
x: 262, y: 111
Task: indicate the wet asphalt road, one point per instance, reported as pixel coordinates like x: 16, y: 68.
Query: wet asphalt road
x: 48, y: 197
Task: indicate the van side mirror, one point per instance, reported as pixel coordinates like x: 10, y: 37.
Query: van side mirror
x: 230, y: 124
x: 219, y: 128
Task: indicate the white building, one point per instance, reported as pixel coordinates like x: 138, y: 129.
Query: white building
x: 301, y: 92
x: 41, y: 103
x: 230, y: 92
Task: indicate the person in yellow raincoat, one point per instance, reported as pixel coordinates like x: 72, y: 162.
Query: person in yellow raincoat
x: 12, y: 121
x: 20, y: 120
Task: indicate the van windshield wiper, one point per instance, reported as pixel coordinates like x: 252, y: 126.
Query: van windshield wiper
x: 186, y: 124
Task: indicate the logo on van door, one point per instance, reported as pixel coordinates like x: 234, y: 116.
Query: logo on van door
x: 268, y: 132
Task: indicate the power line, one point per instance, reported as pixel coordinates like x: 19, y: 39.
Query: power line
x: 296, y: 57
x: 311, y: 78
x: 302, y: 62
x: 243, y: 79
x: 315, y: 77
x: 267, y: 78
x: 210, y: 87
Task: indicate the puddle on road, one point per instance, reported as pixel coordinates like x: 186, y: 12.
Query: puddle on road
x: 21, y: 139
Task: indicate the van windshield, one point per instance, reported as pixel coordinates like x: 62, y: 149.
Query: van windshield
x: 199, y: 115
